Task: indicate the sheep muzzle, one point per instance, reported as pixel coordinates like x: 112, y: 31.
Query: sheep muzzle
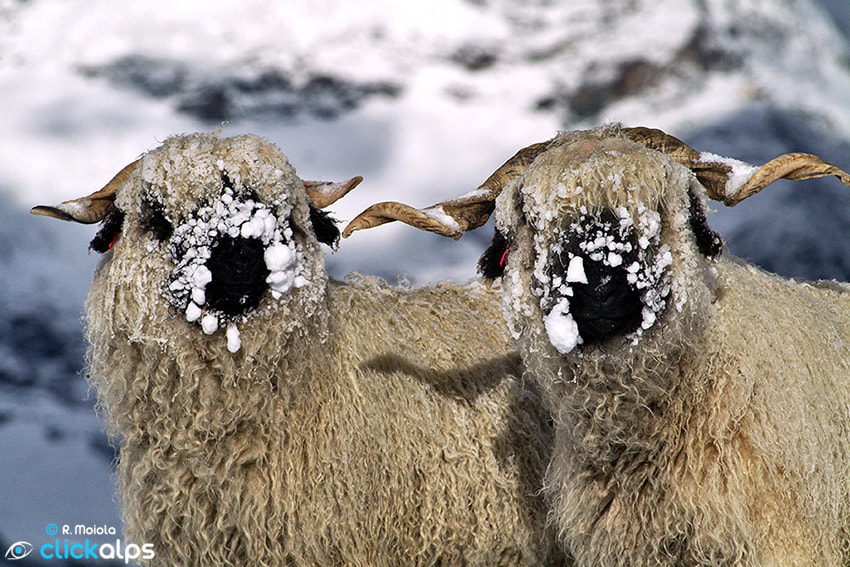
x: 239, y: 273
x: 230, y: 254
x: 603, y: 277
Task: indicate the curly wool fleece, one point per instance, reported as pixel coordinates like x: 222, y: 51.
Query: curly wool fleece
x: 352, y: 427
x: 719, y: 436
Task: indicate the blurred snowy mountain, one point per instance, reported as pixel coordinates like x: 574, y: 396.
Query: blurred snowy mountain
x: 422, y: 99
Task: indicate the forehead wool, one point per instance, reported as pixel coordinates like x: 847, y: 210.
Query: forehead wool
x: 187, y: 170
x: 204, y: 187
x: 591, y: 174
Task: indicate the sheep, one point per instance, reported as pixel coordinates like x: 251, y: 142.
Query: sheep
x: 701, y: 404
x: 269, y: 415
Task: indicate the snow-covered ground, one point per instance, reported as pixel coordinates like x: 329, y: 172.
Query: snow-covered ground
x: 423, y: 100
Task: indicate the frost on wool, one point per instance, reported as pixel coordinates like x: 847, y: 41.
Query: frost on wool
x: 601, y: 271
x: 237, y: 223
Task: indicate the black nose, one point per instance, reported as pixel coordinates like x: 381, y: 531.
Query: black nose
x: 603, y: 301
x: 239, y: 275
x: 607, y: 305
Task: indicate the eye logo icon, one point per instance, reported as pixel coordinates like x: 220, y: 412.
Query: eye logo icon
x: 18, y: 550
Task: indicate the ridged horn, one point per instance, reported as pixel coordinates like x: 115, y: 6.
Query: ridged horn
x: 325, y: 193
x: 92, y: 208
x: 454, y: 217
x: 795, y: 166
x: 712, y: 174
x: 732, y: 181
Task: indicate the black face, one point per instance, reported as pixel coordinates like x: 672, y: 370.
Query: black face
x: 591, y: 271
x: 239, y: 275
x: 623, y: 286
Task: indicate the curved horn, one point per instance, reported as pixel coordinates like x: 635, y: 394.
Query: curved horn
x: 796, y: 167
x: 325, y: 193
x: 713, y: 174
x: 92, y: 208
x: 454, y: 217
x: 731, y: 181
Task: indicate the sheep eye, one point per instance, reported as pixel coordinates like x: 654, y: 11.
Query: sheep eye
x: 153, y: 219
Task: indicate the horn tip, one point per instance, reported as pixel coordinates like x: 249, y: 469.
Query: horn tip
x: 54, y: 212
x: 359, y: 223
x: 355, y: 181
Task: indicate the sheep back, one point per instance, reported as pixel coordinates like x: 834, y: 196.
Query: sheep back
x: 393, y: 429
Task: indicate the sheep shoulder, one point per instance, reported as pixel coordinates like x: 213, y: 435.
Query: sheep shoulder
x: 778, y: 366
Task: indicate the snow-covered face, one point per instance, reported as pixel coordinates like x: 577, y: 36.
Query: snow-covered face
x: 227, y: 255
x: 595, y: 243
x: 223, y: 231
x: 602, y: 276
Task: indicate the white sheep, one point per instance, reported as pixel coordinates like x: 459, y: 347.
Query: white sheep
x: 701, y: 405
x: 269, y: 416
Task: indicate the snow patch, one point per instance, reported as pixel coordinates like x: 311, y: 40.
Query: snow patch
x: 439, y: 215
x: 575, y: 271
x: 741, y: 172
x: 234, y: 343
x: 562, y: 328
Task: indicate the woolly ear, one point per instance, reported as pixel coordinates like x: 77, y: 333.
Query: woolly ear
x: 491, y: 265
x: 324, y: 226
x: 709, y: 243
x: 93, y: 208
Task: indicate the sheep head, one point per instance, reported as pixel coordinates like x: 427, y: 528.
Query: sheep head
x: 602, y: 238
x: 222, y: 230
x: 598, y: 253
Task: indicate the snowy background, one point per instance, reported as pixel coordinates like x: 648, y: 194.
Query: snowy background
x: 423, y: 99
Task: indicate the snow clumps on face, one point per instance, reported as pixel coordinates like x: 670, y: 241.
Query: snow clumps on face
x: 234, y: 215
x: 614, y: 242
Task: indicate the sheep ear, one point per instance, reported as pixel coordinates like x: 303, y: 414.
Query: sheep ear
x: 454, y: 217
x: 324, y: 227
x: 491, y: 265
x: 709, y: 243
x: 94, y: 207
x: 731, y: 181
x: 325, y: 193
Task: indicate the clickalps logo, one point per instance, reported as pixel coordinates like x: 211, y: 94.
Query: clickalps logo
x: 65, y: 548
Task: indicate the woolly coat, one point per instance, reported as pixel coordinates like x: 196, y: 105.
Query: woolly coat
x: 358, y: 424
x: 720, y: 435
